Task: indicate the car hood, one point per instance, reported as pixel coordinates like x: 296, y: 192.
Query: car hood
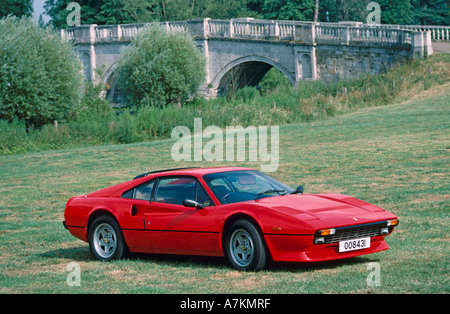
x: 319, y: 206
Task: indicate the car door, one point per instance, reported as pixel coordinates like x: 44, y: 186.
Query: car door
x: 134, y: 204
x: 172, y: 227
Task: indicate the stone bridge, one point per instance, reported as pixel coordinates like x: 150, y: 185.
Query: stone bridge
x: 239, y: 52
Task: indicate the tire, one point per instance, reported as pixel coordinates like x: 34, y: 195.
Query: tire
x: 244, y: 247
x: 105, y: 238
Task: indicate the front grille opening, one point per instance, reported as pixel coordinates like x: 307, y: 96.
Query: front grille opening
x: 353, y: 232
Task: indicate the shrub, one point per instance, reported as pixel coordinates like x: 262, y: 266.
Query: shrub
x: 125, y: 129
x: 273, y: 80
x: 161, y: 67
x: 41, y: 77
x: 93, y: 107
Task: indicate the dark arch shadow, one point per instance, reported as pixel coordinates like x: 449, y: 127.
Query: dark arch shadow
x: 244, y: 74
x: 246, y: 71
x: 115, y: 92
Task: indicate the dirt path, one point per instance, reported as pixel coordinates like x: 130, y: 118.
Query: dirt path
x: 441, y: 46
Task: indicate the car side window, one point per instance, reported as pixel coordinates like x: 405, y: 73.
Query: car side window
x: 175, y: 190
x: 140, y: 192
x: 203, y: 197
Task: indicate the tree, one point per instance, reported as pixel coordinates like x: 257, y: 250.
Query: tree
x: 431, y: 12
x: 343, y: 10
x: 161, y: 67
x: 141, y: 11
x: 395, y: 12
x: 224, y: 9
x: 103, y: 12
x: 112, y: 12
x: 316, y: 11
x: 284, y: 9
x: 41, y: 78
x: 17, y: 8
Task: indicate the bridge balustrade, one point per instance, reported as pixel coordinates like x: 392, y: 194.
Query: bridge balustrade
x: 308, y: 32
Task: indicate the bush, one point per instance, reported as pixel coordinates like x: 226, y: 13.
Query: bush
x: 93, y: 107
x: 274, y: 80
x: 161, y: 67
x: 125, y: 129
x: 41, y: 77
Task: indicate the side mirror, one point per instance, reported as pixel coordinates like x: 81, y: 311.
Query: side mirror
x: 299, y: 189
x: 191, y: 203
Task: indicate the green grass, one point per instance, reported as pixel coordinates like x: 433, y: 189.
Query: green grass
x: 395, y: 156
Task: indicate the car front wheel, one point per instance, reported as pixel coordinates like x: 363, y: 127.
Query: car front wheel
x: 244, y: 247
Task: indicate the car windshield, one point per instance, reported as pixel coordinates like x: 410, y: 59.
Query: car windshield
x: 244, y: 185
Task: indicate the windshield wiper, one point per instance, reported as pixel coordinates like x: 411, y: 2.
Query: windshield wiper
x: 270, y: 192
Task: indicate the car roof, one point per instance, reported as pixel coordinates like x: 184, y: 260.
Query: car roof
x: 191, y: 171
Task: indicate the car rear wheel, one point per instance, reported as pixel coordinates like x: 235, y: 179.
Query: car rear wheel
x: 106, y: 240
x: 244, y: 247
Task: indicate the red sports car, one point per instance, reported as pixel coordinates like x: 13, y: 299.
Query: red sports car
x: 238, y: 212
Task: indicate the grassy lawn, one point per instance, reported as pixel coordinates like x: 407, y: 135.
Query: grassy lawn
x: 395, y: 156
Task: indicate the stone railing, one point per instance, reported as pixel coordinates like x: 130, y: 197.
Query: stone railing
x: 236, y: 28
x: 248, y: 28
x: 362, y: 35
x: 438, y: 33
x: 105, y: 33
x: 344, y: 33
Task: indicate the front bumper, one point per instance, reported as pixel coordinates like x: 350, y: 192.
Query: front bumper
x: 299, y: 248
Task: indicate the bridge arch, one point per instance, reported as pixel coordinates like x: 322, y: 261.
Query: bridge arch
x: 114, y: 92
x: 246, y: 71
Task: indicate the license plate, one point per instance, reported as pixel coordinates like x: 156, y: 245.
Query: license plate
x: 354, y: 244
